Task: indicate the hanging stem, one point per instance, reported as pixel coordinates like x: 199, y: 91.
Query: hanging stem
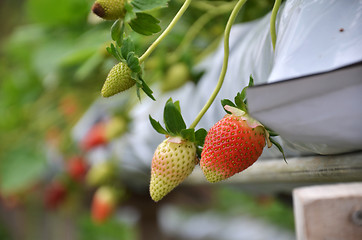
x: 197, y: 27
x: 166, y: 32
x: 273, y: 17
x: 224, y: 65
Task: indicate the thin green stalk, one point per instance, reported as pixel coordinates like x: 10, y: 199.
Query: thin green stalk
x: 166, y: 32
x: 197, y: 27
x: 224, y: 65
x: 272, y: 22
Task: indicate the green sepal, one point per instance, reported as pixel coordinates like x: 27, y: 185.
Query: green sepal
x: 130, y: 14
x: 141, y: 84
x: 177, y: 105
x: 200, y: 136
x: 198, y: 152
x: 251, y: 81
x: 114, y: 52
x: 117, y: 31
x: 225, y: 102
x: 279, y: 148
x: 188, y: 134
x: 239, y: 100
x: 133, y: 62
x: 157, y: 126
x: 145, y: 24
x: 172, y: 118
x: 144, y: 5
x: 127, y: 47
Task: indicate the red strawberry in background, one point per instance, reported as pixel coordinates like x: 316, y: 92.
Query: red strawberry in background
x: 235, y: 142
x: 77, y: 168
x: 95, y: 137
x: 103, y: 132
x: 55, y: 195
x: 104, y: 203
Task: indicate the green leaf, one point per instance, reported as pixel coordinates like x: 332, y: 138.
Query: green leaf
x: 133, y: 62
x: 225, y: 102
x: 177, y: 104
x: 188, y: 134
x: 251, y: 81
x: 117, y: 30
x: 127, y: 47
x: 130, y: 14
x: 173, y: 119
x: 143, y: 5
x: 145, y: 24
x: 113, y: 51
x: 271, y: 132
x: 200, y: 136
x: 157, y: 126
x: 279, y: 148
x: 141, y: 84
x: 239, y: 101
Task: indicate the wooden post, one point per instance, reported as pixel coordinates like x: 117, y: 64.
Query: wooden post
x: 328, y: 212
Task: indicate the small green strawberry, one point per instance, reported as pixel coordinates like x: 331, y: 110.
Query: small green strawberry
x: 176, y: 157
x: 234, y: 143
x: 174, y: 160
x: 109, y: 9
x: 118, y: 80
x: 102, y: 173
x: 176, y: 76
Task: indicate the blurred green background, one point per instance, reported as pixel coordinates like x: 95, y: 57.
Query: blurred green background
x: 53, y: 64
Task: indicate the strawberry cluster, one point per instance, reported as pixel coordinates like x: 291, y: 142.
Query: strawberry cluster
x: 232, y: 145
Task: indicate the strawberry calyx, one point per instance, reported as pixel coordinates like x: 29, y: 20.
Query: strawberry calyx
x: 240, y: 108
x: 252, y: 123
x: 175, y: 127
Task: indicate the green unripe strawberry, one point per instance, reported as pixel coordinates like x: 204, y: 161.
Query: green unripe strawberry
x: 109, y: 9
x: 173, y: 160
x: 118, y: 80
x: 101, y: 173
x: 177, y: 75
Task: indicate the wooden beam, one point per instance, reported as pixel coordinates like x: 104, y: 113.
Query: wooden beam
x: 328, y: 212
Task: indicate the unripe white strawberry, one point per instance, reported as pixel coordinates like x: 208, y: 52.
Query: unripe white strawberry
x: 109, y: 9
x: 118, y: 80
x: 173, y: 160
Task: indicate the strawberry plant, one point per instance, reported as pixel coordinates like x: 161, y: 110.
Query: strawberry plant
x: 232, y: 145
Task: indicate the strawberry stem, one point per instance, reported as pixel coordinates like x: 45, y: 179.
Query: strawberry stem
x: 224, y: 65
x: 272, y: 22
x: 166, y: 32
x: 197, y: 26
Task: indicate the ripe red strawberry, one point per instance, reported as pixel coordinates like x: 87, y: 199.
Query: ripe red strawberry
x: 118, y: 80
x: 173, y: 160
x: 232, y: 145
x: 102, y: 132
x: 77, y: 168
x: 104, y: 204
x: 55, y: 195
x: 109, y: 9
x: 95, y: 137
